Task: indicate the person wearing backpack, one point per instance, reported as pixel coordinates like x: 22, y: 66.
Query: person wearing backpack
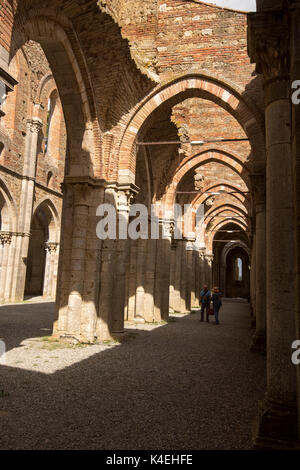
x: 205, y: 296
x: 217, y: 303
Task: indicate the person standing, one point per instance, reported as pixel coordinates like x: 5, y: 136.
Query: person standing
x: 217, y: 303
x: 205, y: 296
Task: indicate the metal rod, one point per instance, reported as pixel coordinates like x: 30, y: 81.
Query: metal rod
x: 214, y: 193
x: 191, y: 142
x: 226, y: 241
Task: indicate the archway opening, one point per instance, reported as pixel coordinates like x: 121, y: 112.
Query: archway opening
x: 42, y: 226
x: 238, y: 273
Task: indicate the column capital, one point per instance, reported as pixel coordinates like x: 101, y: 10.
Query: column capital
x: 167, y: 227
x: 268, y: 44
x: 125, y: 195
x: 35, y: 125
x: 82, y: 194
x: 5, y: 237
x: 209, y: 258
x: 51, y: 246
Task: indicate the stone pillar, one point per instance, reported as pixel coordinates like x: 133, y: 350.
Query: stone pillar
x: 209, y: 263
x: 190, y: 272
x: 172, y: 276
x: 149, y: 279
x: 162, y: 272
x: 202, y: 263
x: 25, y: 209
x: 114, y: 268
x: 269, y: 36
x: 131, y: 281
x: 79, y: 263
x: 81, y: 201
x: 5, y: 239
x: 259, y: 189
x: 196, y: 268
x: 50, y: 270
x: 176, y: 297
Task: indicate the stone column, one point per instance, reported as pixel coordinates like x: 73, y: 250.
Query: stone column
x: 131, y: 281
x: 162, y: 272
x: 183, y: 277
x: 149, y: 279
x: 190, y: 271
x: 82, y: 196
x: 269, y: 37
x: 196, y: 267
x: 114, y: 267
x: 79, y: 263
x: 259, y: 189
x: 50, y: 270
x: 5, y: 239
x: 195, y: 278
x: 209, y: 263
x: 172, y: 276
x: 25, y: 209
x: 125, y: 195
x: 202, y: 266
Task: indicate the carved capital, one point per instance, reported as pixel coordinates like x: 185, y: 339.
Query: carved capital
x: 209, y: 258
x: 35, y: 125
x: 5, y: 238
x: 167, y: 227
x: 51, y: 246
x: 125, y: 194
x: 82, y: 194
x: 268, y: 44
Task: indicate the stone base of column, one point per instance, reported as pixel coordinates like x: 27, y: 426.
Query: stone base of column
x: 276, y: 427
x: 258, y: 344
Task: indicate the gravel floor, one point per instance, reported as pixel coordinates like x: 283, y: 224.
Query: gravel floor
x: 182, y: 385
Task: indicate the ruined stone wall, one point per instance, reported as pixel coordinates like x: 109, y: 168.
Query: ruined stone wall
x: 30, y: 100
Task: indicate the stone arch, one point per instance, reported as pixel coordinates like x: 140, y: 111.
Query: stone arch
x: 236, y: 286
x: 42, y: 252
x: 77, y: 106
x: 46, y: 82
x: 206, y: 156
x: 186, y: 87
x: 234, y: 219
x: 222, y: 262
x: 48, y: 206
x: 217, y: 187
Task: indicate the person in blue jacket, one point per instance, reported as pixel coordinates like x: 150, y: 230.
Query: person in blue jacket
x: 217, y: 303
x: 205, y: 296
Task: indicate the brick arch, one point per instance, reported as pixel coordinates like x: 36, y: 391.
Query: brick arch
x: 47, y: 85
x: 215, y: 187
x: 218, y: 225
x: 202, y: 197
x: 59, y: 47
x: 183, y: 88
x: 241, y: 209
x: 202, y: 158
